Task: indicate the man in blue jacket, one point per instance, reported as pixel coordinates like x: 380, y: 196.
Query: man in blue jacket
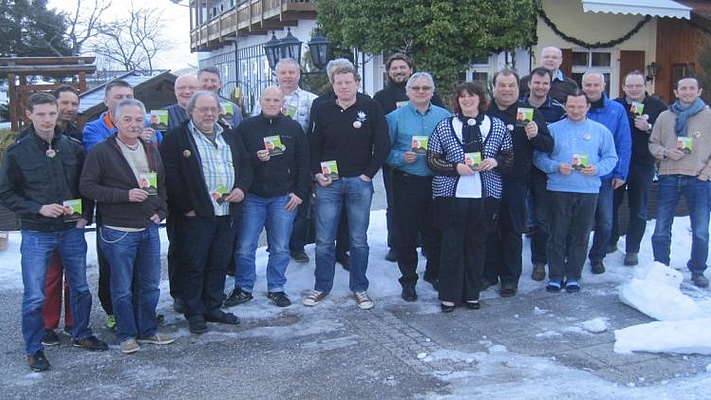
x: 614, y: 117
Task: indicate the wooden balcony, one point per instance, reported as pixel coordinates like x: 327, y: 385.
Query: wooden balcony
x: 210, y: 27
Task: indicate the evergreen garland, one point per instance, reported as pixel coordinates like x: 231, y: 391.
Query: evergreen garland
x: 596, y: 45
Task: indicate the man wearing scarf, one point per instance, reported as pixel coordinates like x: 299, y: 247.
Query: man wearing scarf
x: 681, y: 141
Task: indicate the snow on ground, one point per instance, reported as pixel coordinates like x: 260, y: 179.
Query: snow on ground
x: 528, y: 372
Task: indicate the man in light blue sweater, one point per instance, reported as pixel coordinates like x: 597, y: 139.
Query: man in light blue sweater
x: 584, y: 151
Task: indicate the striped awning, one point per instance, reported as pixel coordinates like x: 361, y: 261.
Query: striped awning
x: 655, y: 8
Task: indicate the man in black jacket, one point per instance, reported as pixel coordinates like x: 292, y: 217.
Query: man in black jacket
x: 505, y: 247
x: 278, y: 149
x: 642, y: 110
x: 39, y: 181
x: 207, y: 175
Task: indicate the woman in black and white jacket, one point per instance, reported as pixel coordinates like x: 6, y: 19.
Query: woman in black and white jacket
x: 467, y: 188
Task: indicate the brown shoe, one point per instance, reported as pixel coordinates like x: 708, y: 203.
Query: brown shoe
x: 539, y: 272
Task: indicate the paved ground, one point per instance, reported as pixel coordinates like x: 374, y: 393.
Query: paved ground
x: 396, y: 350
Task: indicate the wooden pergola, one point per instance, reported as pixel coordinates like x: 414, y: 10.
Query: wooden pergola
x: 17, y: 69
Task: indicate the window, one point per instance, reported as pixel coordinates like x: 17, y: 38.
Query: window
x: 592, y: 60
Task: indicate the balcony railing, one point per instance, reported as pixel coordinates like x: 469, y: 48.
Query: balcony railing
x: 211, y: 26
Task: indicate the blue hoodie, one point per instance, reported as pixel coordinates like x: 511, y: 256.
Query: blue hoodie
x: 614, y: 117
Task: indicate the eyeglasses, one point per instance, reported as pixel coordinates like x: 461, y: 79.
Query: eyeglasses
x: 205, y: 110
x: 421, y: 88
x: 634, y: 86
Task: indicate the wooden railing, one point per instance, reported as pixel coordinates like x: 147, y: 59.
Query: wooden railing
x: 249, y: 17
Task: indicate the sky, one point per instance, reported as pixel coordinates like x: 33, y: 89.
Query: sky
x: 656, y: 337
x: 177, y: 29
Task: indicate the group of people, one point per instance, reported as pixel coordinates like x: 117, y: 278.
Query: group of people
x: 457, y: 185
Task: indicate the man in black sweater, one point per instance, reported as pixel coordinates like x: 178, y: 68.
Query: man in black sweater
x: 279, y: 153
x: 349, y: 141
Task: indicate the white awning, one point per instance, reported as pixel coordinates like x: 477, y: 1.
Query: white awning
x: 655, y: 8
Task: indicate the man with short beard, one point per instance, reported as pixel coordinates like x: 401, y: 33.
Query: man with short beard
x: 68, y: 106
x: 208, y: 173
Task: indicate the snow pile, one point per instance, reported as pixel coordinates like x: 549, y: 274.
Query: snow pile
x: 684, y: 337
x: 654, y: 291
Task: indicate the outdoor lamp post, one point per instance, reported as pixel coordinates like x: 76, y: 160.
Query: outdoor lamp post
x: 272, y: 51
x: 318, y: 48
x: 290, y: 46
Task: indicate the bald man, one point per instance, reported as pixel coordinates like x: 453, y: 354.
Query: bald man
x: 279, y: 153
x: 184, y: 87
x: 561, y: 86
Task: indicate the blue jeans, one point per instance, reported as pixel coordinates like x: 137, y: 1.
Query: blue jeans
x: 36, y: 250
x: 357, y: 196
x: 135, y: 279
x: 570, y: 216
x: 258, y: 213
x: 696, y: 192
x: 603, y: 221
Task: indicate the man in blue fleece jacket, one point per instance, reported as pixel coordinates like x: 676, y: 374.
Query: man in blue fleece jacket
x: 583, y: 153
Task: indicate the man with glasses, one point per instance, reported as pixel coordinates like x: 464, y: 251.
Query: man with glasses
x: 399, y: 68
x: 208, y: 173
x: 185, y: 86
x: 410, y: 126
x: 561, y: 85
x: 642, y: 112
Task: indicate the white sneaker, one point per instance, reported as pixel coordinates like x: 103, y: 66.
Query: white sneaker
x: 363, y: 300
x: 129, y: 346
x: 314, y: 297
x: 156, y: 339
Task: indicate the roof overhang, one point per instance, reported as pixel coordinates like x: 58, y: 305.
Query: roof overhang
x: 654, y: 8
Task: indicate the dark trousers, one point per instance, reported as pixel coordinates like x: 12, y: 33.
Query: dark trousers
x: 537, y: 187
x: 206, y: 247
x: 463, y: 250
x: 412, y: 196
x: 571, y: 217
x: 390, y: 211
x: 504, y: 258
x: 300, y: 229
x: 638, y: 187
x: 172, y: 257
x: 104, y: 279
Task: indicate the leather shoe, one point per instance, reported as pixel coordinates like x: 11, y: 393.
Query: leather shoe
x: 391, y: 256
x: 508, y: 290
x: 409, y: 293
x: 446, y: 308
x: 222, y: 317
x: 197, y: 324
x: 631, y: 259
